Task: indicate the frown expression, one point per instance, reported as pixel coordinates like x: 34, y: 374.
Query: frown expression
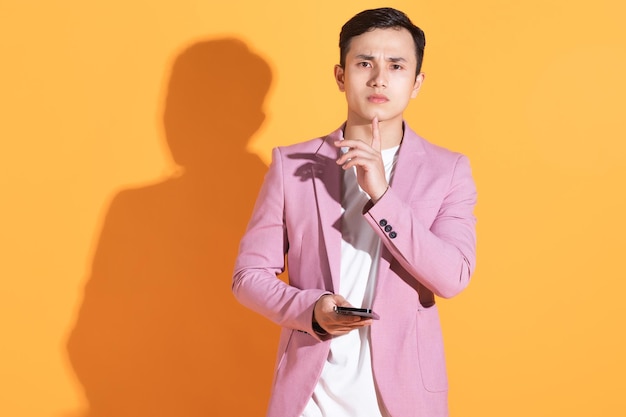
x: 379, y: 75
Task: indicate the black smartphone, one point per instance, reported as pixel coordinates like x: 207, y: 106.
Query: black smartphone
x: 353, y: 311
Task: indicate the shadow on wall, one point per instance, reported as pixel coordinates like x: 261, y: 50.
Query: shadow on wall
x: 159, y: 333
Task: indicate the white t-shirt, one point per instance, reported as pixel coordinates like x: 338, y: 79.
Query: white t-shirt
x: 346, y: 387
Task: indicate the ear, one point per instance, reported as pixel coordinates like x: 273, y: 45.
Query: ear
x: 339, y: 77
x: 418, y: 84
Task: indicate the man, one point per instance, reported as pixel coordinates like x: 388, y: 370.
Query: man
x: 372, y: 216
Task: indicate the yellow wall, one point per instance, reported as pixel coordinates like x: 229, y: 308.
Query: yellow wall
x: 115, y: 264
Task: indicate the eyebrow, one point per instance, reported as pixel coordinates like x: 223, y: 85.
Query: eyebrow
x: 371, y: 58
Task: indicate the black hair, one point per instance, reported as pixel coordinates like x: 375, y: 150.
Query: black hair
x: 382, y: 18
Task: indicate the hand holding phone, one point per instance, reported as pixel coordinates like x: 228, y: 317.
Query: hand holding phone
x: 354, y: 311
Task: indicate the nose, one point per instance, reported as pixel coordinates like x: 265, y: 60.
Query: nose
x: 379, y: 78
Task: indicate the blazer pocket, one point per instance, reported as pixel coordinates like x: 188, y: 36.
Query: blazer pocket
x: 430, y: 349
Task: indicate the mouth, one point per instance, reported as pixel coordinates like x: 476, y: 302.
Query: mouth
x: 377, y: 98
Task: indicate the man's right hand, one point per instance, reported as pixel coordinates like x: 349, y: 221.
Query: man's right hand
x: 336, y: 324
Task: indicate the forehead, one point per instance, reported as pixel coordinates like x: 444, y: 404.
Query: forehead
x: 389, y: 42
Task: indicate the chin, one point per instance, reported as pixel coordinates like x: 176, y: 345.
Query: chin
x: 369, y: 116
x: 366, y: 117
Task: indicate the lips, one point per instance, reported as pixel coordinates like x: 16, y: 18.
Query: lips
x: 377, y: 98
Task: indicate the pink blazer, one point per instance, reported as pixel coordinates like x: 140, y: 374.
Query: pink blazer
x: 426, y: 223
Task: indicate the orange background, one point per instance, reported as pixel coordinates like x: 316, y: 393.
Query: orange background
x: 129, y: 169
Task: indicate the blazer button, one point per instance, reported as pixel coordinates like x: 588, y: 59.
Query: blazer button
x: 392, y: 235
x: 383, y: 222
x: 388, y: 228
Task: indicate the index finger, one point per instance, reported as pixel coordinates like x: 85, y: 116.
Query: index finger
x: 375, y: 134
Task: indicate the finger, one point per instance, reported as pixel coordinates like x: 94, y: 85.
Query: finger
x: 345, y: 320
x: 351, y: 143
x: 375, y: 135
x: 347, y: 157
x: 346, y: 327
x: 361, y: 162
x: 352, y: 154
x: 357, y: 153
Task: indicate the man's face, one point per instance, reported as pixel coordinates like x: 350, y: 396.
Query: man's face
x: 379, y: 75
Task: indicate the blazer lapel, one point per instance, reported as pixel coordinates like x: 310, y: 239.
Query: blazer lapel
x: 410, y: 159
x: 327, y: 187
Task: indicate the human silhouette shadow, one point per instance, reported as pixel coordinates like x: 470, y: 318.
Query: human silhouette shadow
x: 159, y: 333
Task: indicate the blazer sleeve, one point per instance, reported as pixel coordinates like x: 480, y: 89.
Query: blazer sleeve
x: 440, y: 256
x: 261, y: 259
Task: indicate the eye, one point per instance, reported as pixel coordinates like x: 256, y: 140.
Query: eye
x: 396, y: 66
x: 364, y: 64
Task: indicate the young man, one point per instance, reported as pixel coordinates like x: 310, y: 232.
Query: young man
x: 372, y: 216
